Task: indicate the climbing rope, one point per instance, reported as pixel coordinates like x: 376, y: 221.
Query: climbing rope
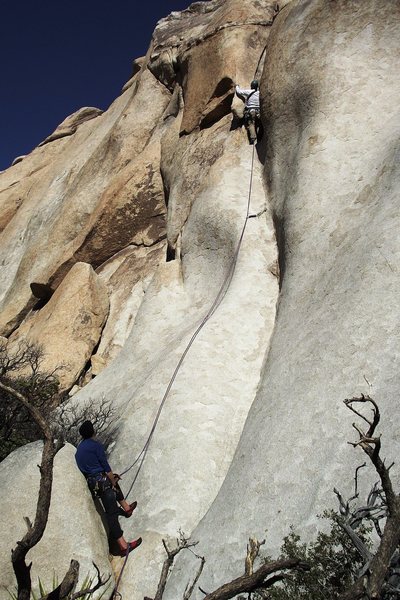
x: 220, y: 296
x: 116, y: 593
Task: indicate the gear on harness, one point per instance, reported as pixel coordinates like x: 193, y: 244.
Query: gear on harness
x: 98, y: 484
x: 252, y: 123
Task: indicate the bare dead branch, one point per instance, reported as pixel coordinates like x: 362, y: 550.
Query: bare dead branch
x: 167, y: 564
x: 89, y: 591
x: 357, y: 542
x: 375, y: 411
x: 371, y: 446
x: 28, y: 523
x: 343, y: 506
x: 182, y: 543
x: 273, y: 580
x: 356, y: 479
x: 250, y: 583
x: 190, y: 586
x: 253, y: 550
x: 371, y: 584
x: 67, y: 585
x: 35, y: 532
x: 368, y: 382
x: 35, y: 413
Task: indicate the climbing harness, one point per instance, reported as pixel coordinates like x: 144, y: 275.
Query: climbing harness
x: 251, y: 119
x: 220, y: 296
x: 98, y: 484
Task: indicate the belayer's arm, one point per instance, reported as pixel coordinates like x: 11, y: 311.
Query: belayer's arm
x: 101, y: 455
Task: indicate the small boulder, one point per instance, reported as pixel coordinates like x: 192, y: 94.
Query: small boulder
x: 18, y: 159
x: 69, y: 326
x: 71, y: 124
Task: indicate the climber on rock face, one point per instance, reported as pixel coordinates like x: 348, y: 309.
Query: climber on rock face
x: 103, y: 483
x: 251, y: 98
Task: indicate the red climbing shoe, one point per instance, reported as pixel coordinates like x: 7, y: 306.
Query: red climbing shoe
x: 128, y: 513
x: 132, y: 545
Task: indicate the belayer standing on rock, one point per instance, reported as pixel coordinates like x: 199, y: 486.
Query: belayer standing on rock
x: 251, y: 98
x: 103, y: 483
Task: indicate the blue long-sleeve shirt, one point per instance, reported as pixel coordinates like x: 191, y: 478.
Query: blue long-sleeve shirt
x: 91, y: 458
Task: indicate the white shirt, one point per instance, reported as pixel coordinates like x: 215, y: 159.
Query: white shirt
x: 250, y: 97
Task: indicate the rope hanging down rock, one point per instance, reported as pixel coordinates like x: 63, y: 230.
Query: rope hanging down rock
x: 220, y: 296
x: 116, y: 594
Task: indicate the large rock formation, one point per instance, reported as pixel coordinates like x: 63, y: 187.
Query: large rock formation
x: 153, y: 195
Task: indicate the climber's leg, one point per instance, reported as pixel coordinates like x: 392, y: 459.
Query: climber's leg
x: 250, y: 122
x: 127, y: 509
x: 112, y: 511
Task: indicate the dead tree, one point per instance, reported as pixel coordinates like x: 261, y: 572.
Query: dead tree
x: 253, y: 580
x: 68, y: 584
x: 379, y: 577
x: 182, y: 543
x: 35, y: 531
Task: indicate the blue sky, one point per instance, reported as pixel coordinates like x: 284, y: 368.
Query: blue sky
x: 59, y: 55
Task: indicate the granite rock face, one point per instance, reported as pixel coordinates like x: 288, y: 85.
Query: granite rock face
x: 153, y: 195
x: 225, y: 36
x: 73, y: 531
x: 126, y: 276
x: 332, y: 124
x: 148, y: 202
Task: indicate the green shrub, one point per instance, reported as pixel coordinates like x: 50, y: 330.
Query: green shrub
x: 334, y: 563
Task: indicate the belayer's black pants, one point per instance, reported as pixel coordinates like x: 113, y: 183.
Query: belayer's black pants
x: 100, y: 486
x: 112, y: 510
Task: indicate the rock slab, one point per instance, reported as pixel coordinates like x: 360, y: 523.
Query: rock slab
x: 74, y: 529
